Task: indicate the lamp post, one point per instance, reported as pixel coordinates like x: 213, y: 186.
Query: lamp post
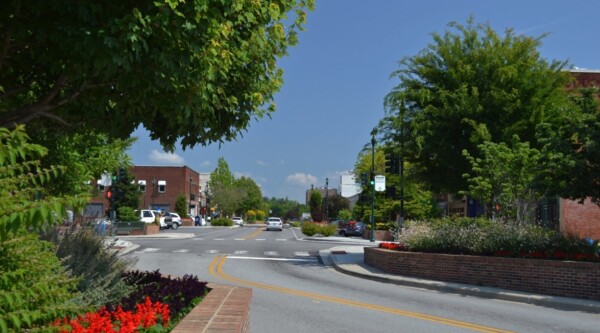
x: 372, y: 180
x: 326, y: 199
x: 153, y: 190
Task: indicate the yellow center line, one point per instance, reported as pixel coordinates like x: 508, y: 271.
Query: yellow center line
x: 254, y: 234
x: 218, y: 262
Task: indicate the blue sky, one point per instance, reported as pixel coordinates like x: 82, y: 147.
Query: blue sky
x: 336, y: 78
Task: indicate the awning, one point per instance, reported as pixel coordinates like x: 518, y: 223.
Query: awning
x: 142, y: 182
x: 162, y: 182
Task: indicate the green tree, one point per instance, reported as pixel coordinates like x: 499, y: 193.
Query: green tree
x: 345, y: 214
x: 469, y: 86
x: 251, y: 194
x: 190, y: 72
x: 24, y: 203
x: 336, y: 203
x: 86, y: 155
x: 181, y: 205
x: 126, y: 192
x: 316, y: 206
x: 503, y: 179
x: 570, y: 156
x: 222, y: 191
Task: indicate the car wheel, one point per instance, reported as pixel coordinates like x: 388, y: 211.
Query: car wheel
x: 174, y: 226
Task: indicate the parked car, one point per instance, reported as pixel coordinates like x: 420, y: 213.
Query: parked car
x: 340, y: 225
x: 353, y: 228
x: 176, y: 220
x: 149, y: 216
x: 274, y: 223
x: 238, y: 220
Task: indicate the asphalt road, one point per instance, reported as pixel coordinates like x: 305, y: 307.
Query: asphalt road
x: 295, y: 292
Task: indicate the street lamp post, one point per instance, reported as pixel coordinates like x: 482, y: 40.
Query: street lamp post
x: 326, y: 199
x: 153, y: 190
x: 372, y: 236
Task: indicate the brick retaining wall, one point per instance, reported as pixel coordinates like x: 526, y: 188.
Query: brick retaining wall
x: 225, y: 309
x: 550, y: 277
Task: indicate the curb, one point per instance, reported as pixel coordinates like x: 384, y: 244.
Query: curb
x: 557, y: 302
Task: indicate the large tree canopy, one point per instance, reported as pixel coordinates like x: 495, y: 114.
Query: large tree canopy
x: 195, y: 71
x: 469, y: 86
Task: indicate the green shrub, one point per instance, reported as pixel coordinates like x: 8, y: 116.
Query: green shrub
x: 486, y: 237
x: 327, y: 230
x: 35, y: 288
x: 127, y: 214
x: 89, y: 258
x: 295, y: 224
x: 309, y: 228
x: 222, y: 222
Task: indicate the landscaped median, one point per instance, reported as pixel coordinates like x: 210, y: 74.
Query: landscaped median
x: 551, y: 277
x: 224, y: 309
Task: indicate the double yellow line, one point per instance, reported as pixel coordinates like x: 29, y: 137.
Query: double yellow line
x: 254, y: 234
x: 216, y: 269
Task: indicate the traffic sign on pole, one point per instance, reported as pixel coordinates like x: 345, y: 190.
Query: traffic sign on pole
x: 380, y: 183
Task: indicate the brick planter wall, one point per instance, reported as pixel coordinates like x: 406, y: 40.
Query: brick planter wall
x: 225, y: 309
x: 550, y: 277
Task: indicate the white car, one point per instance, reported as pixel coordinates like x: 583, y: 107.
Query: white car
x: 274, y: 223
x: 176, y: 220
x: 149, y: 215
x: 238, y: 220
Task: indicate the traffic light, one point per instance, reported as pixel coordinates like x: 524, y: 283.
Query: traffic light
x: 372, y: 179
x: 122, y: 175
x: 392, y: 163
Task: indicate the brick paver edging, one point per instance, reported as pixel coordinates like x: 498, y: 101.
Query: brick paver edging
x: 224, y: 309
x: 550, y: 277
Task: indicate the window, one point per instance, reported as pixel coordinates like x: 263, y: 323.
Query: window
x: 162, y: 186
x: 142, y: 185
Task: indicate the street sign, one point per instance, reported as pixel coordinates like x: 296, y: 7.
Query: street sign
x: 379, y: 183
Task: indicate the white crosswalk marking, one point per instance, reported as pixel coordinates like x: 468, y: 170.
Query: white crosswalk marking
x: 301, y: 254
x: 261, y: 239
x: 150, y: 249
x: 240, y: 252
x: 281, y: 239
x: 212, y: 251
x: 271, y: 253
x: 239, y: 239
x: 182, y: 251
x: 219, y: 239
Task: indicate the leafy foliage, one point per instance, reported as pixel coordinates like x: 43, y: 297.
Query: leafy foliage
x: 570, y: 155
x: 181, y: 205
x: 311, y: 229
x: 316, y: 206
x: 34, y: 287
x: 128, y: 214
x: 503, y: 179
x: 469, y: 86
x: 189, y: 72
x: 178, y: 293
x: 222, y: 222
x: 23, y: 203
x: 89, y: 258
x: 481, y: 236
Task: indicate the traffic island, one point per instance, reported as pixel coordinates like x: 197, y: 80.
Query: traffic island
x: 550, y: 277
x: 225, y: 309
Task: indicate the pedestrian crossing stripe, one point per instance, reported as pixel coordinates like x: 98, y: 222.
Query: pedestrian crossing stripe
x: 301, y: 254
x: 182, y: 251
x: 150, y: 249
x: 271, y: 253
x: 281, y: 239
x: 240, y: 252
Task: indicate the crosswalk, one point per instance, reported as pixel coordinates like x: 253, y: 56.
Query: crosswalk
x: 267, y: 254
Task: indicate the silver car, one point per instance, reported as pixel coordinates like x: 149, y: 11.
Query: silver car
x: 274, y: 223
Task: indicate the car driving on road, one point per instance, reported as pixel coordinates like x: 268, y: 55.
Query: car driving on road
x: 176, y: 220
x: 238, y: 220
x: 274, y: 223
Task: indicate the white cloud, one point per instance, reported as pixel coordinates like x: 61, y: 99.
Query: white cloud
x: 166, y: 158
x: 301, y: 179
x: 261, y: 163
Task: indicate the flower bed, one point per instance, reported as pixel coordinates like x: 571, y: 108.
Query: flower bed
x: 551, y: 277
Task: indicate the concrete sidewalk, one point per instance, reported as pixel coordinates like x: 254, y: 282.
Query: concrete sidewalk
x: 350, y: 260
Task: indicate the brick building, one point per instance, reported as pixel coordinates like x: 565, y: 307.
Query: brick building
x: 160, y: 187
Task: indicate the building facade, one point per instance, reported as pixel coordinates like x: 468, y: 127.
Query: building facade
x: 160, y: 186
